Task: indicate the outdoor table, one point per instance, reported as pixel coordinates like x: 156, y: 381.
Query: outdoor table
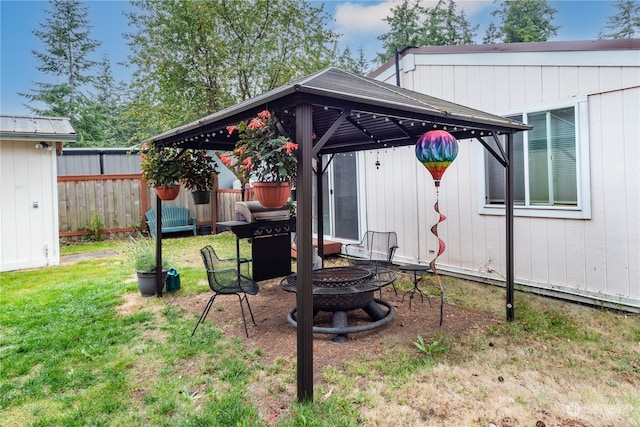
x: 383, y: 276
x: 342, y: 289
x: 415, y: 269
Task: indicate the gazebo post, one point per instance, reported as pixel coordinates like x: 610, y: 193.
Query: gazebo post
x: 509, y: 227
x: 304, y: 229
x: 159, y: 283
x: 319, y: 208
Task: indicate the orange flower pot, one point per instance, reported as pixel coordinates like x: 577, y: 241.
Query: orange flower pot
x: 168, y: 192
x: 271, y: 194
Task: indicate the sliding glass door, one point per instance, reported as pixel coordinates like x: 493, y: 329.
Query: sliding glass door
x: 340, y: 205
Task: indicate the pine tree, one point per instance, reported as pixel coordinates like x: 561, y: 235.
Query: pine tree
x: 492, y: 34
x: 66, y: 58
x: 414, y: 25
x: 526, y: 20
x: 405, y: 28
x: 625, y: 24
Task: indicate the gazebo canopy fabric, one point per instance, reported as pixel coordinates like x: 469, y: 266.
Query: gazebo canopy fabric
x: 333, y: 111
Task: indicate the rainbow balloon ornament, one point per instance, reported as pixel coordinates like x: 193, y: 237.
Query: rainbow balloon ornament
x: 436, y: 150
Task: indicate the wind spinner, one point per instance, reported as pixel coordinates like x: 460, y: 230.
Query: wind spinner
x: 436, y: 150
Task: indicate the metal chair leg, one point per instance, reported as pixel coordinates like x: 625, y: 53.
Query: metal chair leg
x: 246, y: 330
x: 204, y: 313
x: 250, y: 312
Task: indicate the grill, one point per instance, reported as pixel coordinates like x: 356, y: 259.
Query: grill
x: 269, y: 231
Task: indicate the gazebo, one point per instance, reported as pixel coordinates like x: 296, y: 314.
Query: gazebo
x: 334, y: 111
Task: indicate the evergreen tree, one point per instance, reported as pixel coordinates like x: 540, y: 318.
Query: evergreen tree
x: 526, y: 20
x: 492, y: 34
x: 102, y: 117
x: 358, y: 65
x: 625, y: 24
x: 414, y: 25
x: 65, y: 36
x: 405, y: 29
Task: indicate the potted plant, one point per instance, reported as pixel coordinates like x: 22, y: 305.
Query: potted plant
x: 162, y: 169
x: 144, y: 260
x: 198, y: 175
x: 266, y: 156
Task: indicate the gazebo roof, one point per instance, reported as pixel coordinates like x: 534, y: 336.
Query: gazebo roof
x: 365, y: 114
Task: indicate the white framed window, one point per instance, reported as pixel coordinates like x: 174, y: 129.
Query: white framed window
x: 551, y: 164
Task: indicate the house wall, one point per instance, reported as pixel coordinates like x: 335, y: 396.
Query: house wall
x: 28, y: 234
x: 595, y: 259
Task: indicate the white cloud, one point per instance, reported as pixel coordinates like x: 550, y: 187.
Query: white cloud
x: 358, y: 19
x: 361, y: 19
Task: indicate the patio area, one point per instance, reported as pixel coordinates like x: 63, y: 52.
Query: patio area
x: 276, y: 338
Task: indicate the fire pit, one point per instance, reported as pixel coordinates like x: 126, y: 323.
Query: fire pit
x: 342, y: 289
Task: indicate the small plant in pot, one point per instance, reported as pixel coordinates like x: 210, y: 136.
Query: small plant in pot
x: 199, y: 173
x: 161, y: 168
x: 144, y: 262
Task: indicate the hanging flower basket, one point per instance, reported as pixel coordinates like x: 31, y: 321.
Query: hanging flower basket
x: 272, y: 195
x: 201, y: 197
x: 168, y: 192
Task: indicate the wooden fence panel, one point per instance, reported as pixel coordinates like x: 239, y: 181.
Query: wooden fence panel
x: 227, y: 204
x: 122, y: 200
x: 116, y: 198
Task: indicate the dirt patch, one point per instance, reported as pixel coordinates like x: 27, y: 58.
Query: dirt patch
x: 72, y: 259
x: 276, y: 338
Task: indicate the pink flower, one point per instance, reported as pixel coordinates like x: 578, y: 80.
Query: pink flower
x: 224, y: 158
x: 247, y: 163
x: 231, y: 128
x: 264, y: 114
x: 290, y: 146
x: 255, y: 124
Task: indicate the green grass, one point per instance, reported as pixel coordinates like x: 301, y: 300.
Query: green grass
x: 68, y: 358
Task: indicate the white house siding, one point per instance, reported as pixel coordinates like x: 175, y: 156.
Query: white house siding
x: 594, y: 260
x: 29, y: 235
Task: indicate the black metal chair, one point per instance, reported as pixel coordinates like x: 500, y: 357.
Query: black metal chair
x: 376, y: 249
x: 225, y: 279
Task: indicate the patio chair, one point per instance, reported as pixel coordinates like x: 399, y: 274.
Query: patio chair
x: 376, y: 248
x: 225, y: 279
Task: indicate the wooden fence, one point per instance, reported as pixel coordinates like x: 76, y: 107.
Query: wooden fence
x: 120, y: 202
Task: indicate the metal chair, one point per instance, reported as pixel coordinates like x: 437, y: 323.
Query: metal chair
x: 376, y: 249
x: 225, y: 279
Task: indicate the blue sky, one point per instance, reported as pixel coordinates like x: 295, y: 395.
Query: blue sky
x: 360, y: 23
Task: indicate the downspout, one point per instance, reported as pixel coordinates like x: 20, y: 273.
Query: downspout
x: 397, y: 61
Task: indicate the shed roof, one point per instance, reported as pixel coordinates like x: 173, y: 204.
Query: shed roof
x: 36, y: 128
x: 362, y: 114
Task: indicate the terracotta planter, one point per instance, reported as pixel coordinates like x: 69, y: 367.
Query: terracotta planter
x: 272, y: 195
x: 168, y: 192
x: 201, y: 197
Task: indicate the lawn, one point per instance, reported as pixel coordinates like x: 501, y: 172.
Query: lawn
x: 76, y: 351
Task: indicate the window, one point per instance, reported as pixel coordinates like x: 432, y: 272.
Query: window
x: 550, y: 165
